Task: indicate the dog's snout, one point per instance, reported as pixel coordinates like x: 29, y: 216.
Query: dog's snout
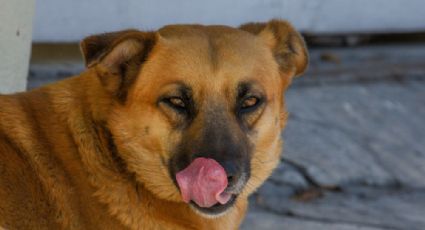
x: 237, y: 175
x: 233, y: 171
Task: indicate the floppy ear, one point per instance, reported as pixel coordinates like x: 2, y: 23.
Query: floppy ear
x: 117, y: 57
x: 286, y: 43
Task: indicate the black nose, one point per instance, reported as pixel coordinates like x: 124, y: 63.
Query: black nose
x: 233, y: 171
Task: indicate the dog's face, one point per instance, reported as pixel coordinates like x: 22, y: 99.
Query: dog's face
x: 191, y: 92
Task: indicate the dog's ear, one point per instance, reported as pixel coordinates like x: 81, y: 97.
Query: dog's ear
x: 286, y: 43
x: 117, y: 57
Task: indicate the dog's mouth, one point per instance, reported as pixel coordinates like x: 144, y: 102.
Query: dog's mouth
x: 216, y: 209
x: 205, y: 185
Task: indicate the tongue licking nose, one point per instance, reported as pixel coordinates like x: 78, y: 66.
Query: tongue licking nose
x: 203, y: 182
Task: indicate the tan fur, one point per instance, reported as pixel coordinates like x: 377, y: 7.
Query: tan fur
x: 57, y: 166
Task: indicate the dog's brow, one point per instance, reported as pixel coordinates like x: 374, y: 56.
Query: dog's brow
x: 179, y: 87
x: 244, y: 87
x: 185, y: 90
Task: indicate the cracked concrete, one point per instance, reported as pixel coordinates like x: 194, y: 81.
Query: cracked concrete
x: 272, y: 221
x: 359, y: 206
x: 354, y: 152
x: 374, y: 134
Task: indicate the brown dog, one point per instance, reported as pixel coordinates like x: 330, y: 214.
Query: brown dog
x: 170, y: 129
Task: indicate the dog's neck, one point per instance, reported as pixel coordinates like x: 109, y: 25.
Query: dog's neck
x: 113, y: 185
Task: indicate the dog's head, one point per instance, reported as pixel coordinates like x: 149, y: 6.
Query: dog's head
x: 198, y: 110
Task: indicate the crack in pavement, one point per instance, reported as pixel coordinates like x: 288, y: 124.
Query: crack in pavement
x: 325, y: 220
x: 303, y: 171
x: 359, y: 79
x: 359, y: 139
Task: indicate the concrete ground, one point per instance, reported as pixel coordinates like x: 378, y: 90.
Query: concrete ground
x: 354, y: 154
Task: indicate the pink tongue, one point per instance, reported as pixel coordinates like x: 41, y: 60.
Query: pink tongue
x: 203, y: 181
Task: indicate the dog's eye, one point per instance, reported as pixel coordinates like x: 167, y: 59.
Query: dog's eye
x: 249, y: 102
x: 176, y: 102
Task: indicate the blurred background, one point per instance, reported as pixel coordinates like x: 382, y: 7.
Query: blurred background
x: 354, y: 154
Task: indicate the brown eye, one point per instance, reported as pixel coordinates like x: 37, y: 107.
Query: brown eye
x: 249, y: 102
x: 177, y: 102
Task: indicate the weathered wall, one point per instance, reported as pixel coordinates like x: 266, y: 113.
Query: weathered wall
x: 15, y: 41
x: 72, y: 20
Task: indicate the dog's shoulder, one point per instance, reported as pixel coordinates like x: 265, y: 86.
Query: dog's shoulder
x: 24, y: 201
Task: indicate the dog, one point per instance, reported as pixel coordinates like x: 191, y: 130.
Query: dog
x: 168, y: 129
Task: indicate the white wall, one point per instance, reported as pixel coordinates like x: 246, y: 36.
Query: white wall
x: 61, y: 20
x: 15, y: 41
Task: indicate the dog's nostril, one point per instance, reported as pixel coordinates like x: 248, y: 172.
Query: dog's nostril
x: 230, y: 179
x: 232, y: 171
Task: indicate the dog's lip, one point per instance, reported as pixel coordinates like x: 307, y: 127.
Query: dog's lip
x: 232, y: 190
x: 217, y: 208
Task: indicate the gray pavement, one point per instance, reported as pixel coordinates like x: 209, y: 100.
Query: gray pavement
x: 354, y: 152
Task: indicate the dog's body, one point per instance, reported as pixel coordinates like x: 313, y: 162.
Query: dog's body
x: 101, y: 150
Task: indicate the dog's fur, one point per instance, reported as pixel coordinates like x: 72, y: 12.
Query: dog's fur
x: 100, y: 150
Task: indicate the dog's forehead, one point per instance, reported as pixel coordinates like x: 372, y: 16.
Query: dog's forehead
x: 212, y: 50
x: 214, y: 41
x: 208, y: 59
x: 201, y: 31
